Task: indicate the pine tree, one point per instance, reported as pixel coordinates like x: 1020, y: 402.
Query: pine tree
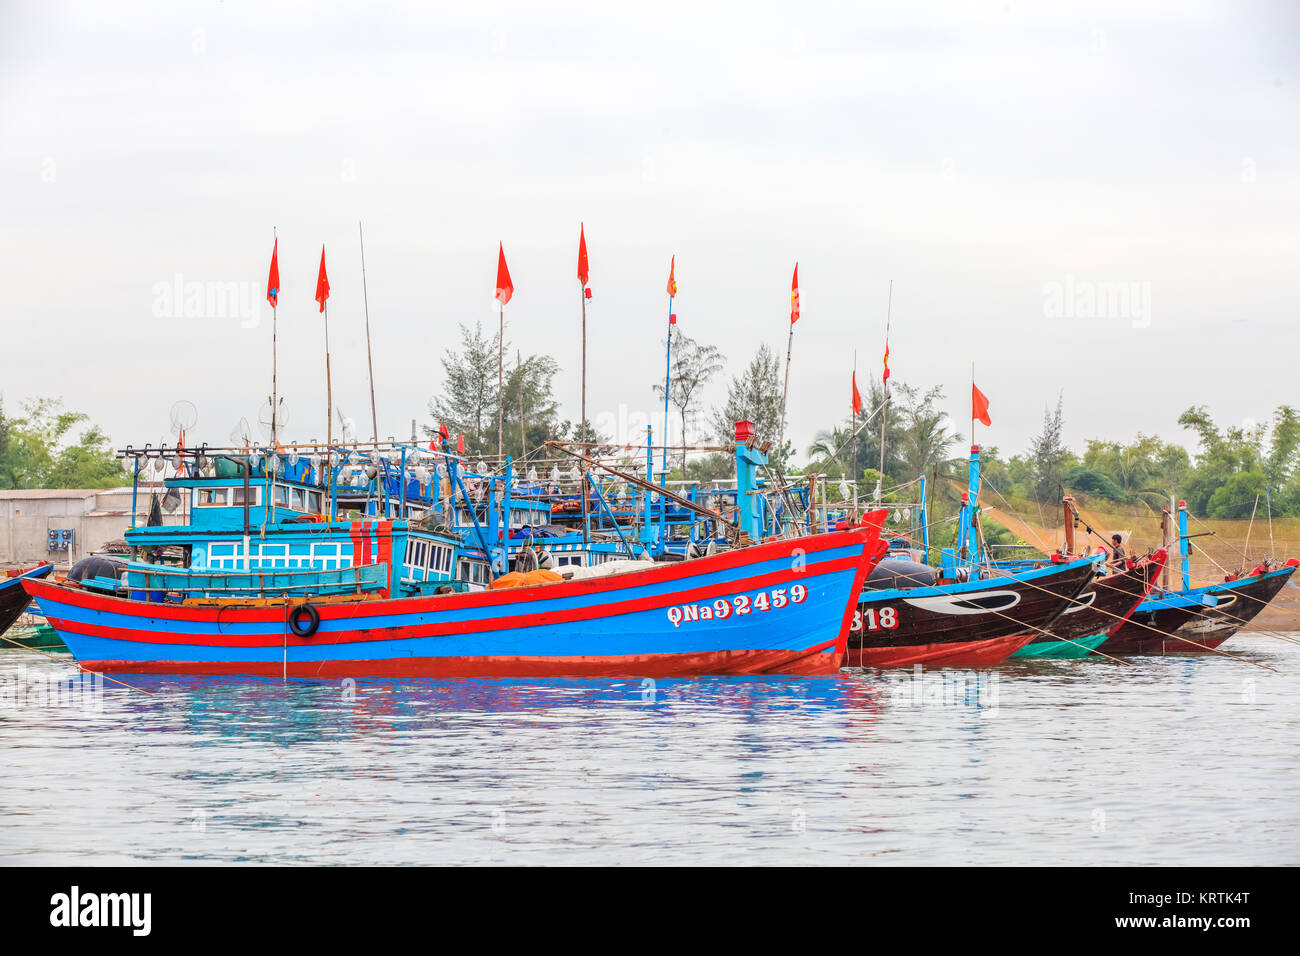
x: 470, y: 401
x: 468, y: 404
x: 1047, y: 454
x: 755, y: 395
x: 693, y: 366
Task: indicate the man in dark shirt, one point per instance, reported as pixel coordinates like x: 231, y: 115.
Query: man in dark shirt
x: 1118, y: 554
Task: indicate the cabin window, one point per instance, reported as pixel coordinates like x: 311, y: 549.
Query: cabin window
x: 282, y: 496
x: 213, y: 496
x: 329, y: 557
x: 416, y: 554
x: 272, y: 556
x: 239, y: 495
x: 314, y: 502
x: 299, y: 499
x: 225, y: 557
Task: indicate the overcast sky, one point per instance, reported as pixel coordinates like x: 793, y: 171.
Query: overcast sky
x: 1008, y: 165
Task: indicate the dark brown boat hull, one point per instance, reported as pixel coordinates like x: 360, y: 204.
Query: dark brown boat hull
x: 14, y: 598
x: 1238, y: 604
x: 1005, y: 606
x: 1193, y: 630
x: 1104, y: 605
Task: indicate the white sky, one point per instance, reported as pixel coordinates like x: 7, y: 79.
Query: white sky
x: 972, y: 152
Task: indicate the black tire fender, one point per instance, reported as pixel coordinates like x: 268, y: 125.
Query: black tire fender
x: 298, y: 625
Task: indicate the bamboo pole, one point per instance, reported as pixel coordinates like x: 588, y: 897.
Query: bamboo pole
x: 274, y: 347
x: 884, y: 403
x: 501, y: 395
x: 374, y: 418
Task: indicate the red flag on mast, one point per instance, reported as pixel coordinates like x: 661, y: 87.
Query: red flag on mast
x: 322, y: 282
x: 505, y: 288
x: 794, y: 296
x: 672, y: 281
x: 582, y: 255
x: 273, y: 277
x: 885, y: 378
x: 979, y: 405
x: 857, y: 396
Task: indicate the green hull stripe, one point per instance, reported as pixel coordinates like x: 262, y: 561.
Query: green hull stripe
x: 1062, y: 648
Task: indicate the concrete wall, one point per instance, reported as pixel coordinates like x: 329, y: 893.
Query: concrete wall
x: 95, y: 518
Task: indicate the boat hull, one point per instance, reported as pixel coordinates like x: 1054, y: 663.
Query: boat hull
x: 1148, y: 628
x: 1157, y: 627
x: 1098, y: 611
x: 893, y: 628
x: 1238, y: 603
x: 979, y: 653
x: 14, y: 597
x: 1076, y: 647
x: 778, y: 608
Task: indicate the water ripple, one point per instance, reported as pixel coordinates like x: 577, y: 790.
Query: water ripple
x: 1176, y: 760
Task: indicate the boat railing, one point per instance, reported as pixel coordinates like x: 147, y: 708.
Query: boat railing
x: 241, y: 582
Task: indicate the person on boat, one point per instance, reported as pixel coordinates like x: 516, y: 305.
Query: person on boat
x: 1118, y: 554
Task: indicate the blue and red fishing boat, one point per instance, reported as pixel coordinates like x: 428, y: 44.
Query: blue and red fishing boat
x: 782, y: 607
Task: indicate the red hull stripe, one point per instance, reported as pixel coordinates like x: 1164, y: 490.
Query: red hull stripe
x: 876, y: 522
x: 1159, y: 561
x: 384, y: 531
x: 959, y: 654
x: 433, y: 629
x: 809, y: 662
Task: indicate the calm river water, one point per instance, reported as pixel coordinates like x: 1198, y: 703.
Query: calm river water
x: 1178, y: 760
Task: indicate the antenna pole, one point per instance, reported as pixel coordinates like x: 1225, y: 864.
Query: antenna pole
x: 668, y: 381
x: 789, y: 350
x: 582, y: 421
x: 884, y: 408
x: 374, y: 418
x: 329, y: 400
x: 274, y: 361
x: 853, y: 424
x: 501, y: 395
x: 523, y: 442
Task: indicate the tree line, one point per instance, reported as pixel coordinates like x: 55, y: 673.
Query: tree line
x: 1221, y: 477
x: 40, y: 448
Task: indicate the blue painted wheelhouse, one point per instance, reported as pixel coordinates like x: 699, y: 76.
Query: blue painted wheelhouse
x: 262, y: 524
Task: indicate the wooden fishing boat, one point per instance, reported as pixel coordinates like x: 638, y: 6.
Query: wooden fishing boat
x: 1159, y: 615
x: 1197, y: 620
x: 13, y: 598
x: 782, y: 607
x: 1236, y: 604
x: 38, y: 636
x: 1099, y: 611
x: 975, y: 623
